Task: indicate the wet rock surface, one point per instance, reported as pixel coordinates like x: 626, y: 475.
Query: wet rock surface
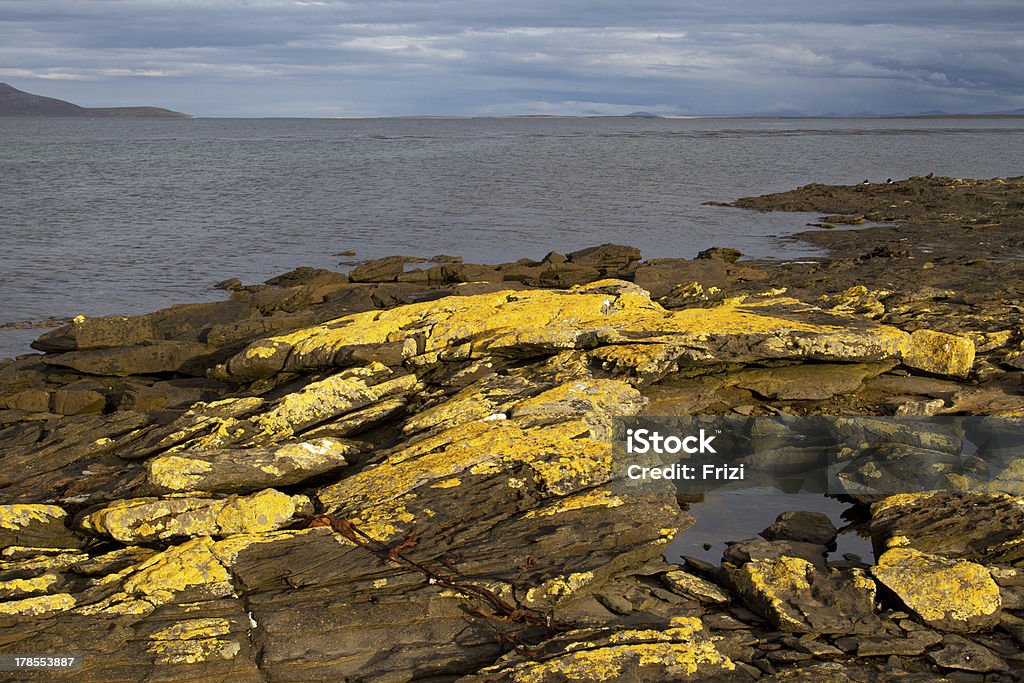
x: 404, y: 473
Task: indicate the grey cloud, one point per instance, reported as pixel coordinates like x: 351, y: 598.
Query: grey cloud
x: 360, y: 57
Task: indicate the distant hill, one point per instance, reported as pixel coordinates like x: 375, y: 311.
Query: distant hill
x: 14, y: 102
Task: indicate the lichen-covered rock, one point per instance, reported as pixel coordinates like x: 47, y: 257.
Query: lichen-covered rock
x: 800, y: 598
x: 982, y: 528
x: 940, y: 353
x: 237, y: 470
x: 680, y: 652
x: 607, y: 312
x: 687, y: 584
x: 806, y: 381
x: 41, y: 526
x: 20, y: 588
x: 150, y: 519
x: 950, y: 595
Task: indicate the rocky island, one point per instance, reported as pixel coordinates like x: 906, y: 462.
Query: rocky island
x: 14, y: 102
x: 403, y: 472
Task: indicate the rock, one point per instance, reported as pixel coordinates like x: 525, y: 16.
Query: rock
x: 965, y: 655
x: 949, y: 595
x: 167, y: 394
x: 310, y: 277
x: 563, y: 275
x: 378, y: 270
x: 911, y: 645
x: 661, y: 276
x: 857, y: 300
x: 756, y: 549
x: 687, y: 584
x: 231, y: 284
x: 809, y: 381
x: 15, y: 589
x: 183, y: 323
x: 805, y: 527
x: 247, y: 469
x: 982, y: 528
x: 608, y: 259
x: 40, y: 526
x: 681, y: 652
x: 727, y: 254
x: 28, y: 400
x: 535, y: 323
x: 800, y: 598
x: 77, y: 402
x: 151, y: 358
x: 144, y: 520
x: 939, y: 353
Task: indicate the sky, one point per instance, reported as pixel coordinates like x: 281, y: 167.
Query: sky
x: 481, y: 58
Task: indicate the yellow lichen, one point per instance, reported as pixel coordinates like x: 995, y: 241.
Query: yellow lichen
x: 141, y: 519
x: 38, y: 605
x: 558, y: 588
x: 447, y: 483
x: 545, y: 319
x: 680, y: 650
x: 177, y: 473
x: 194, y: 628
x: 767, y: 580
x: 945, y: 592
x: 15, y: 517
x: 597, y: 498
x: 156, y: 581
x: 192, y: 651
x: 46, y: 561
x: 38, y: 584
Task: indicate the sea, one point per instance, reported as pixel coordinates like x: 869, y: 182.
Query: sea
x: 125, y: 216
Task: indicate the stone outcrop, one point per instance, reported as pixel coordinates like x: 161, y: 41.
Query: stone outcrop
x: 407, y: 473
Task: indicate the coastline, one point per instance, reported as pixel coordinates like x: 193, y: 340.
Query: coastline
x: 276, y: 483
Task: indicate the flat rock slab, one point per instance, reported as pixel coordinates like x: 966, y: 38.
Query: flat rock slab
x: 38, y: 526
x: 143, y: 520
x: 605, y: 313
x: 983, y: 528
x: 235, y: 470
x: 949, y: 595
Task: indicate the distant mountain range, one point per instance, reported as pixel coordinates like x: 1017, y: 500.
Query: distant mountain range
x: 14, y: 102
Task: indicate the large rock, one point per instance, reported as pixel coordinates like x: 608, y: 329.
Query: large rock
x: 235, y: 470
x: 151, y: 358
x: 145, y: 520
x: 661, y: 276
x: 188, y: 322
x: 939, y: 353
x: 378, y: 270
x: 682, y: 652
x: 607, y: 259
x: 614, y: 315
x: 950, y: 595
x: 40, y: 526
x: 800, y: 598
x: 983, y: 528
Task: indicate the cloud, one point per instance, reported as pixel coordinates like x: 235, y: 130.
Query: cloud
x: 364, y: 57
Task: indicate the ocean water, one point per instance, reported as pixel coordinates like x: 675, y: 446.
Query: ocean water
x: 129, y: 215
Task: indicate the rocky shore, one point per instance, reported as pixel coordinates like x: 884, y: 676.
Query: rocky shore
x: 403, y: 473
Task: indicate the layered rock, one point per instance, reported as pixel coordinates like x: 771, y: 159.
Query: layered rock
x: 405, y: 474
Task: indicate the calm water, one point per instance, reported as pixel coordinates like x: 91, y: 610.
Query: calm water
x: 125, y: 216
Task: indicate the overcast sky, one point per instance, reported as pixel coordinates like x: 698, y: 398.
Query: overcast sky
x: 476, y: 57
